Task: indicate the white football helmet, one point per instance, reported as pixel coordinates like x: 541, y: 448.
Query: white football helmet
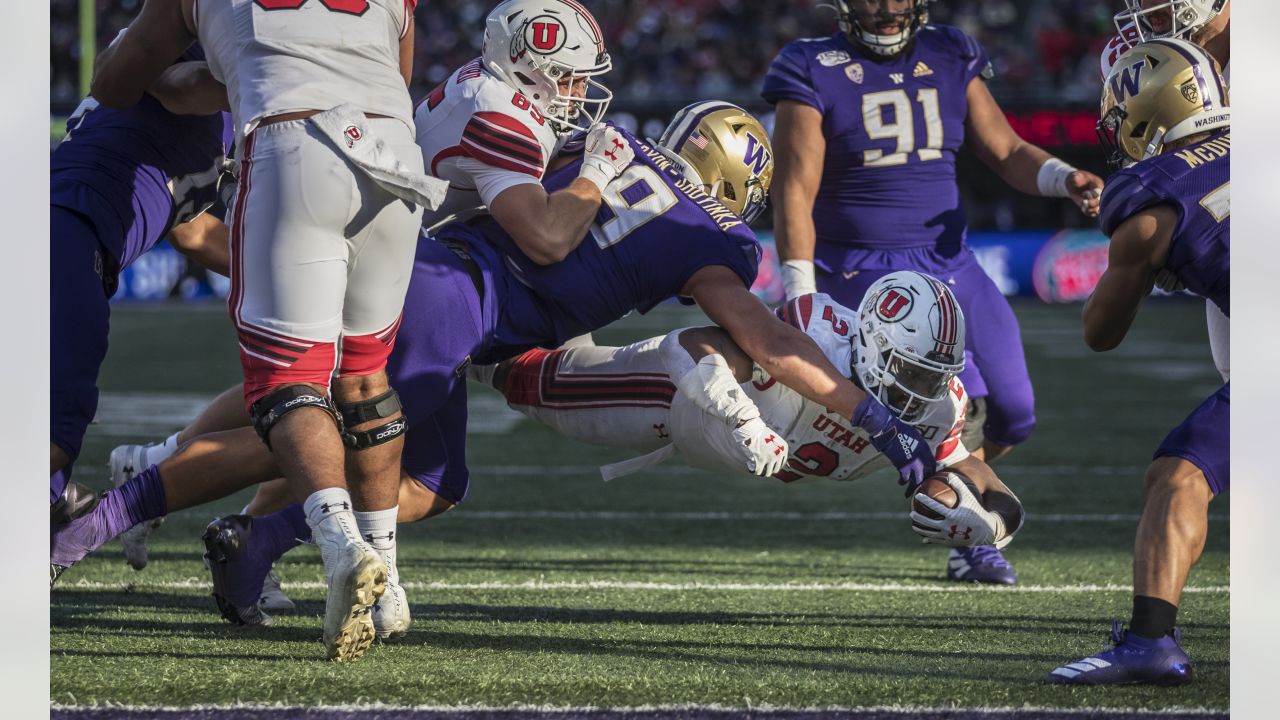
x: 535, y: 45
x: 910, y: 342
x: 1183, y: 18
x: 912, y: 19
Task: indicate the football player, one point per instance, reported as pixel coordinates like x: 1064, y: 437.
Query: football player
x: 694, y: 392
x: 121, y: 180
x: 1166, y: 111
x: 675, y: 227
x: 1206, y: 23
x: 869, y: 121
x: 330, y: 197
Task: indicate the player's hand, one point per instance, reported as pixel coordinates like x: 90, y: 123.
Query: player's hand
x: 605, y: 155
x: 968, y: 524
x: 1085, y: 190
x: 763, y: 451
x: 896, y: 440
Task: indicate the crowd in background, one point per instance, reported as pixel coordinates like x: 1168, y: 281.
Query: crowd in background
x: 670, y: 51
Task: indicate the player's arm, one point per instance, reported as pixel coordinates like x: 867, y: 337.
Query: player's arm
x: 189, y: 88
x: 136, y: 58
x: 1023, y: 166
x: 547, y: 227
x: 798, y: 150
x: 206, y: 240
x: 1138, y: 249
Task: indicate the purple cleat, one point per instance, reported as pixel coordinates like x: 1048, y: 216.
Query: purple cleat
x: 1130, y: 659
x: 238, y: 568
x: 981, y: 564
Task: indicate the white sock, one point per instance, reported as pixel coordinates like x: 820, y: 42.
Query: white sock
x: 157, y: 454
x: 378, y: 528
x: 333, y: 525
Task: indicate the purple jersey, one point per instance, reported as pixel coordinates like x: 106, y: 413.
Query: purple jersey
x: 135, y: 173
x: 1196, y: 181
x: 626, y: 262
x: 892, y: 129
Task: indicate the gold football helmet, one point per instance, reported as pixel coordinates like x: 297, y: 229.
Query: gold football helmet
x: 1157, y: 92
x: 726, y: 150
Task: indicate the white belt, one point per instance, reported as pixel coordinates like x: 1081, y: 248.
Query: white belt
x: 347, y: 128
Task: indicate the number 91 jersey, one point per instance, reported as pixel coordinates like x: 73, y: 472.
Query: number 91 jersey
x: 892, y: 128
x: 823, y: 444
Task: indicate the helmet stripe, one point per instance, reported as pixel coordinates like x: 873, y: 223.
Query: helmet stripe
x: 694, y: 115
x: 1189, y: 52
x: 590, y: 18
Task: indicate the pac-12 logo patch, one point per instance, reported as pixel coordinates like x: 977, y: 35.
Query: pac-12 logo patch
x: 894, y: 304
x: 545, y: 34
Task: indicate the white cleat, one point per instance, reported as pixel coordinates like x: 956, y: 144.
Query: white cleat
x: 358, y: 579
x: 127, y: 461
x: 391, y: 618
x: 273, y: 597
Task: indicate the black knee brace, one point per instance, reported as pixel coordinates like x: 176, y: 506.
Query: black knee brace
x: 376, y: 408
x: 267, y: 411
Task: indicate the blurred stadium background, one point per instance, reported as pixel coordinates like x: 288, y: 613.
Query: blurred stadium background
x: 668, y: 53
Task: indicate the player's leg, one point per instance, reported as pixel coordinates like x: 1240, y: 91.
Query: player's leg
x: 288, y: 283
x: 610, y: 396
x: 1190, y: 468
x: 78, y: 327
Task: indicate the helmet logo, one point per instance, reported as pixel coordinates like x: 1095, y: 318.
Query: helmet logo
x: 1124, y: 84
x: 544, y: 34
x: 1190, y: 92
x: 757, y: 157
x: 894, y: 305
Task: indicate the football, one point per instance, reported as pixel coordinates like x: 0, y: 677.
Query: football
x: 936, y: 487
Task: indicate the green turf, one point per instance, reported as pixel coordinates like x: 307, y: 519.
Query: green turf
x: 512, y: 609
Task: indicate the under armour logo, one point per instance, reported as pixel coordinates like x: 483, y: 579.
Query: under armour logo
x: 612, y: 153
x: 325, y: 507
x: 662, y: 431
x: 770, y: 439
x: 955, y: 530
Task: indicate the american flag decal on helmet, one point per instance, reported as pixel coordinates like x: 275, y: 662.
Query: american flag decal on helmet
x: 696, y: 138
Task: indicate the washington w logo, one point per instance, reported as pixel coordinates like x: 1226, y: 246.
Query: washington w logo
x: 1125, y: 83
x: 757, y: 157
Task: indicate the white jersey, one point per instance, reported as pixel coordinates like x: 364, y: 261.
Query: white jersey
x: 481, y: 136
x: 623, y: 398
x: 280, y: 56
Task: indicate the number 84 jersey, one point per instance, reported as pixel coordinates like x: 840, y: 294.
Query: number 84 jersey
x: 823, y: 444
x: 892, y: 128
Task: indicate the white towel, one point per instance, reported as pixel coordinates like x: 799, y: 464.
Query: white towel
x: 616, y: 470
x: 348, y: 129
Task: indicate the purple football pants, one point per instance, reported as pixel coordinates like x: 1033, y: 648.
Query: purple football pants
x: 995, y: 367
x: 1204, y: 439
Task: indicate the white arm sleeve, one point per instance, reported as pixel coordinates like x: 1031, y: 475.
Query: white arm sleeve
x: 491, y: 181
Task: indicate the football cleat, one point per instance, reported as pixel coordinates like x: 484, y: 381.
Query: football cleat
x: 127, y: 461
x: 357, y: 579
x: 1130, y: 659
x: 981, y: 564
x: 238, y: 572
x: 273, y: 597
x: 54, y: 572
x: 391, y: 618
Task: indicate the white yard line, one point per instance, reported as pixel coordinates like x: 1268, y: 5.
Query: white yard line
x: 732, y: 516
x: 662, y: 586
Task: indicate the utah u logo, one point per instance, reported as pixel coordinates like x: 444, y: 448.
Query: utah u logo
x: 757, y: 156
x: 892, y: 304
x: 545, y: 34
x: 1124, y: 84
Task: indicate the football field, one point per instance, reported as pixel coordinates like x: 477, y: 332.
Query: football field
x: 672, y: 593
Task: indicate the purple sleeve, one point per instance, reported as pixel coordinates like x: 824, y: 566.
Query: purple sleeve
x: 970, y: 51
x: 788, y: 79
x: 1124, y: 196
x: 736, y: 249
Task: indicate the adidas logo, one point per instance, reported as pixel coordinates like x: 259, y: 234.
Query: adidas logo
x: 908, y: 444
x: 921, y: 70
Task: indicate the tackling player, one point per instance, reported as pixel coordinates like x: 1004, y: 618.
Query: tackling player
x: 869, y: 121
x: 1165, y: 108
x: 1206, y: 23
x: 329, y: 202
x: 119, y: 182
x: 694, y: 392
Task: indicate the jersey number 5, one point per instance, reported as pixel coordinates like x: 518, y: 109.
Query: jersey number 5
x: 902, y: 127
x: 350, y: 7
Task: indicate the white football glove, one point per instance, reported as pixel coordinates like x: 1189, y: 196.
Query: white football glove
x: 605, y: 155
x: 762, y: 450
x: 968, y: 524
